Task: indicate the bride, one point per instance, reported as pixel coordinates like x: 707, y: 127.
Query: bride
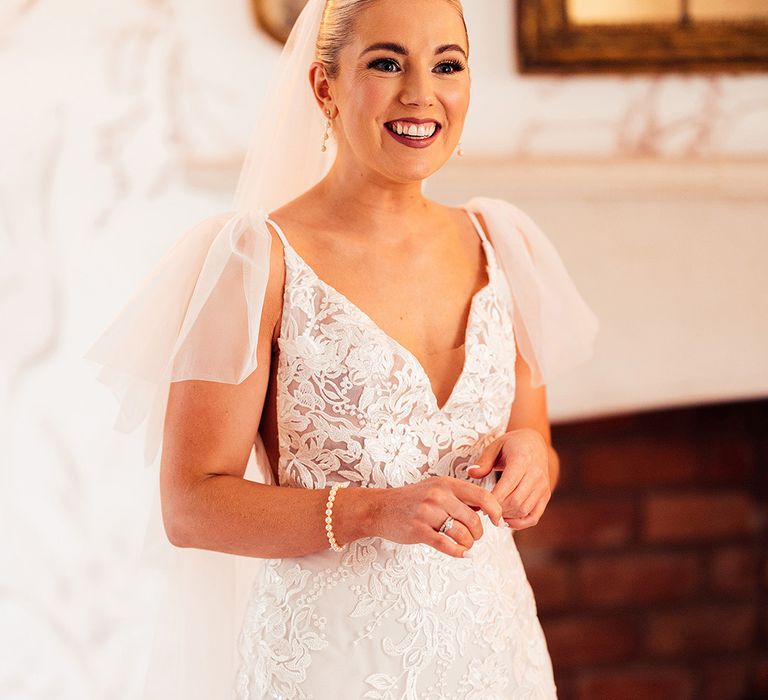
x: 388, y: 353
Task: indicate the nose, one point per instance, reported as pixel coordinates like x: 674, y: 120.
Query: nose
x: 417, y: 88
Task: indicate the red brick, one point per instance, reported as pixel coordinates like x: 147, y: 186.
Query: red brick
x: 637, y: 578
x: 639, y: 462
x: 725, y: 680
x: 728, y: 459
x: 580, y: 430
x: 698, y: 516
x: 569, y: 460
x: 551, y: 581
x: 575, y: 641
x: 734, y: 570
x: 564, y: 684
x: 704, y: 629
x: 765, y: 621
x: 575, y: 523
x: 765, y: 572
x: 760, y: 683
x: 646, y: 684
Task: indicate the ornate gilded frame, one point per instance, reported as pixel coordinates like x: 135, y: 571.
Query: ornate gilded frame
x: 548, y: 43
x: 276, y: 17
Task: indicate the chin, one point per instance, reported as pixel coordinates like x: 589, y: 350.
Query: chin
x: 411, y: 172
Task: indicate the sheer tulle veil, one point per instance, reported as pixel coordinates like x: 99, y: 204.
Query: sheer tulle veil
x: 197, y: 316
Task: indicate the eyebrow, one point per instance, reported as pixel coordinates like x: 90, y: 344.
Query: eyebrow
x: 399, y: 48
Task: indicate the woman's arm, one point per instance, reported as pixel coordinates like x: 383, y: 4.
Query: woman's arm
x: 226, y: 513
x: 529, y: 410
x: 210, y: 429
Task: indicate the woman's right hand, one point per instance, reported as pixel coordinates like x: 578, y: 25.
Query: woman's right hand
x: 413, y: 513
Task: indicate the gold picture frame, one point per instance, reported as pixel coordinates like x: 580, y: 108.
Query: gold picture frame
x: 549, y: 41
x: 276, y: 17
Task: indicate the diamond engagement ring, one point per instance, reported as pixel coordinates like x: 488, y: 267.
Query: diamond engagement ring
x: 446, y: 524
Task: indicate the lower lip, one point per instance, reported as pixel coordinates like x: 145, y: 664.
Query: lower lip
x: 413, y: 143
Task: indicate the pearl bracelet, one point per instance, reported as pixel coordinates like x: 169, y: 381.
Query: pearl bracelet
x: 328, y: 515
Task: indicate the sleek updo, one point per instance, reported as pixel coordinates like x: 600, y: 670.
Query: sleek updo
x: 337, y: 27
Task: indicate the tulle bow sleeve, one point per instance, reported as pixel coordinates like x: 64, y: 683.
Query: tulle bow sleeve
x: 554, y: 327
x: 195, y: 316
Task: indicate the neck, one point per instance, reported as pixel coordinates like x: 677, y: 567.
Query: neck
x: 355, y: 195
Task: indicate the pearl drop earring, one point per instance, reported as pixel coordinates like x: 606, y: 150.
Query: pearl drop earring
x: 460, y: 152
x: 327, y: 130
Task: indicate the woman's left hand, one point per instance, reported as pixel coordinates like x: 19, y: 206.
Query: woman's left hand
x: 523, y: 489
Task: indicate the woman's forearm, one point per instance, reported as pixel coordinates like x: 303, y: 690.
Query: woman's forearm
x: 554, y: 468
x: 225, y: 513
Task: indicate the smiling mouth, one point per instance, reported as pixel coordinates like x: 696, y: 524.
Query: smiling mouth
x: 412, y: 137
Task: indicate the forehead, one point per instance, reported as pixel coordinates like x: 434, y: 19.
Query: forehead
x: 417, y: 24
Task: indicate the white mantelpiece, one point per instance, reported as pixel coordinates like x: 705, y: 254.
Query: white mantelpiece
x: 673, y: 258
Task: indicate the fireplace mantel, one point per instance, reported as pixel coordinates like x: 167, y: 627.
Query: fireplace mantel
x: 671, y: 255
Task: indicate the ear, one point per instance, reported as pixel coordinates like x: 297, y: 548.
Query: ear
x: 321, y: 86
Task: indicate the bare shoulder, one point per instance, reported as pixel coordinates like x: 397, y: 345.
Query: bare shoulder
x: 459, y: 215
x: 294, y: 216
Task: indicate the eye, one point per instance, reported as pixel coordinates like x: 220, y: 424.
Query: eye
x: 383, y: 62
x: 452, y: 64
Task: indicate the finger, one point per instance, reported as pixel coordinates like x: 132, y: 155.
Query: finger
x: 528, y: 520
x: 469, y: 519
x: 539, y: 489
x: 522, y: 499
x: 536, y: 496
x: 487, y: 460
x: 479, y: 470
x: 443, y: 544
x: 459, y: 532
x: 472, y: 494
x: 510, y: 479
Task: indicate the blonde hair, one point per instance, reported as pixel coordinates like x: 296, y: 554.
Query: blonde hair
x: 337, y: 27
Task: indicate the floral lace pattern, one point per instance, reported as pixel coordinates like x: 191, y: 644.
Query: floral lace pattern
x: 382, y: 620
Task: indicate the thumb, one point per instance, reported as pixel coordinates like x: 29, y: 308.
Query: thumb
x: 485, y: 463
x: 477, y: 471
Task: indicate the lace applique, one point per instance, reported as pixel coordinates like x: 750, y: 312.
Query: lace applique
x: 382, y: 620
x: 356, y: 405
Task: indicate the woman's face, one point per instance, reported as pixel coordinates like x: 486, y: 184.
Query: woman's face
x: 405, y: 70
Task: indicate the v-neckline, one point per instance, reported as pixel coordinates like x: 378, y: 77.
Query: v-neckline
x: 407, y: 354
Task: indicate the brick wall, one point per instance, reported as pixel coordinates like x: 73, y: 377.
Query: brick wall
x: 650, y: 564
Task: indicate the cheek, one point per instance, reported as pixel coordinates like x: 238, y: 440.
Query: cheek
x: 368, y: 101
x: 370, y: 96
x: 456, y: 101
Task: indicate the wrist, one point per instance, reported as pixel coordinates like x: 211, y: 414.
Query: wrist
x: 354, y: 513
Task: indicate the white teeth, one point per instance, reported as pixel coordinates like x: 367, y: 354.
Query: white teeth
x: 414, y: 130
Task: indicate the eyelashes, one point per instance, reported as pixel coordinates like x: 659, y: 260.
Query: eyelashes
x: 453, y: 64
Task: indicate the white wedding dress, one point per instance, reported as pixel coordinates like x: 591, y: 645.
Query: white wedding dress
x: 381, y: 619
